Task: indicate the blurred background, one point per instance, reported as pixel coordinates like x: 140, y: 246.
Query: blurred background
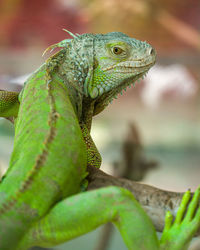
x: 152, y: 132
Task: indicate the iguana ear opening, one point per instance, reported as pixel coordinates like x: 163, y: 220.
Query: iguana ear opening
x: 93, y: 92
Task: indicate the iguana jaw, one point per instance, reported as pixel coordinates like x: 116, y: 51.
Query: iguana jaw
x: 131, y: 77
x: 117, y: 78
x: 103, y: 101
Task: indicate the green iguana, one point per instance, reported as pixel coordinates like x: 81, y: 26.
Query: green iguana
x: 41, y: 203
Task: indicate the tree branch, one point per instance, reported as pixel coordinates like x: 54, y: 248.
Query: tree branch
x: 154, y: 201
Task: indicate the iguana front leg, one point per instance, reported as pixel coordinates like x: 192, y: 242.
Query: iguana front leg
x: 84, y: 212
x: 9, y: 103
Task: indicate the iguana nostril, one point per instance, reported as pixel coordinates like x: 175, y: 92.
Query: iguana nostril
x: 150, y: 51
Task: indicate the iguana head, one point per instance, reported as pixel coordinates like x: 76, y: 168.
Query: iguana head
x: 118, y: 62
x: 106, y: 64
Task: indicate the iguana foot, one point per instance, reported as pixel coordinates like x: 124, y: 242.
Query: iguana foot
x: 176, y: 235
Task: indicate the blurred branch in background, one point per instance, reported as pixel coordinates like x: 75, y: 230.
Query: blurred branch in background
x: 180, y: 29
x: 134, y: 165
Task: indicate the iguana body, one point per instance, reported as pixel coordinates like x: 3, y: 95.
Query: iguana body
x: 53, y: 147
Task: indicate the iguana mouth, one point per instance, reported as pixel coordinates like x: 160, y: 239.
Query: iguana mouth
x: 130, y: 70
x: 135, y: 64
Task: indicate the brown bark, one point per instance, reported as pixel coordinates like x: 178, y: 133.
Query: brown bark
x: 154, y: 201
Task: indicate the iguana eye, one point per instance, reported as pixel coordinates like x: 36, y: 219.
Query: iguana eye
x: 117, y: 50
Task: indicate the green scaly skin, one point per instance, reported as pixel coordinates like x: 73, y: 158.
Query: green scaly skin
x: 9, y: 104
x: 41, y: 203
